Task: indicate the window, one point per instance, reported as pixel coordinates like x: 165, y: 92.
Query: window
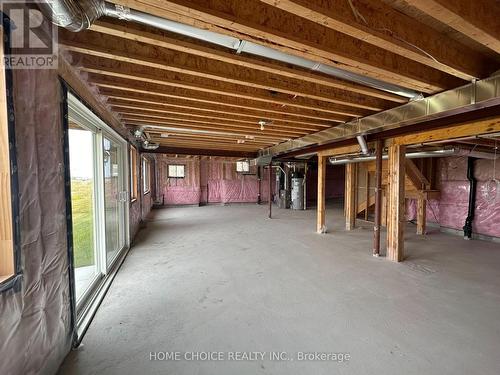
x: 146, y: 173
x: 176, y: 171
x: 7, y: 204
x: 133, y: 173
x: 243, y: 166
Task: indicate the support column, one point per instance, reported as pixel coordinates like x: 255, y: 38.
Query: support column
x: 378, y: 198
x: 421, y: 215
x: 396, y: 199
x: 259, y: 181
x: 351, y: 173
x: 320, y: 224
x: 270, y: 175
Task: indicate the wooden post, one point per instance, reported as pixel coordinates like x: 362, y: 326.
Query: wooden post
x: 270, y: 175
x: 421, y: 215
x: 351, y: 170
x: 396, y: 198
x: 320, y: 224
x: 378, y: 198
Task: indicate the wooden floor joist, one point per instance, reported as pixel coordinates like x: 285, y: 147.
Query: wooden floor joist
x: 299, y: 36
x: 476, y: 19
x: 114, y: 48
x: 146, y: 88
x: 394, y: 31
x: 162, y: 39
x: 202, y: 112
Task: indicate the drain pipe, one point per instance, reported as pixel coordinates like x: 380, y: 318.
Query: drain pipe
x: 472, y: 198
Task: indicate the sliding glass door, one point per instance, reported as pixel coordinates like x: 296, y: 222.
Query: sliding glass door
x: 82, y: 141
x: 113, y: 198
x: 99, y: 199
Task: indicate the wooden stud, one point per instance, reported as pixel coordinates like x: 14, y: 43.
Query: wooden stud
x: 396, y: 210
x: 320, y: 222
x: 351, y: 175
x: 6, y: 228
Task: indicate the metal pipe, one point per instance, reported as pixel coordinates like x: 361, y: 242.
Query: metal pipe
x: 362, y: 144
x: 259, y: 179
x: 472, y: 198
x: 378, y: 198
x: 409, y: 155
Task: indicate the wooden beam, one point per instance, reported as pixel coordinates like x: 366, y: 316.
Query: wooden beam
x: 477, y: 20
x: 385, y: 27
x: 160, y: 38
x: 396, y: 203
x: 265, y: 24
x: 173, y: 91
x: 320, y: 220
x: 342, y: 150
x: 421, y: 215
x: 155, y: 102
x: 116, y: 48
x: 351, y: 176
x: 466, y: 129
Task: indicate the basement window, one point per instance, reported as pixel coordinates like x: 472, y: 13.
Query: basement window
x: 146, y: 173
x: 243, y: 166
x: 176, y: 171
x: 133, y: 174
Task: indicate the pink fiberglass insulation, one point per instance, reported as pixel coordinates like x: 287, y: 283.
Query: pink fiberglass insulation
x: 451, y: 209
x: 209, y: 180
x: 35, y: 329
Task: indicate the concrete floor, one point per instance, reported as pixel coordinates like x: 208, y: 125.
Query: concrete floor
x: 228, y: 279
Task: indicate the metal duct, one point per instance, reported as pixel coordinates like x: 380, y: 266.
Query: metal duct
x: 71, y: 14
x: 362, y: 143
x: 478, y: 94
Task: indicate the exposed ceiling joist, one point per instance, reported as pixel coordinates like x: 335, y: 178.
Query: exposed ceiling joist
x: 169, y: 114
x: 262, y: 23
x: 119, y: 102
x: 381, y: 25
x: 162, y: 39
x: 476, y: 19
x: 204, y: 97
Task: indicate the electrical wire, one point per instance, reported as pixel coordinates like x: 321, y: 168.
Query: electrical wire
x: 359, y: 17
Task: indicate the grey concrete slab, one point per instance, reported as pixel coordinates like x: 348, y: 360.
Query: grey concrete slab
x: 228, y: 279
